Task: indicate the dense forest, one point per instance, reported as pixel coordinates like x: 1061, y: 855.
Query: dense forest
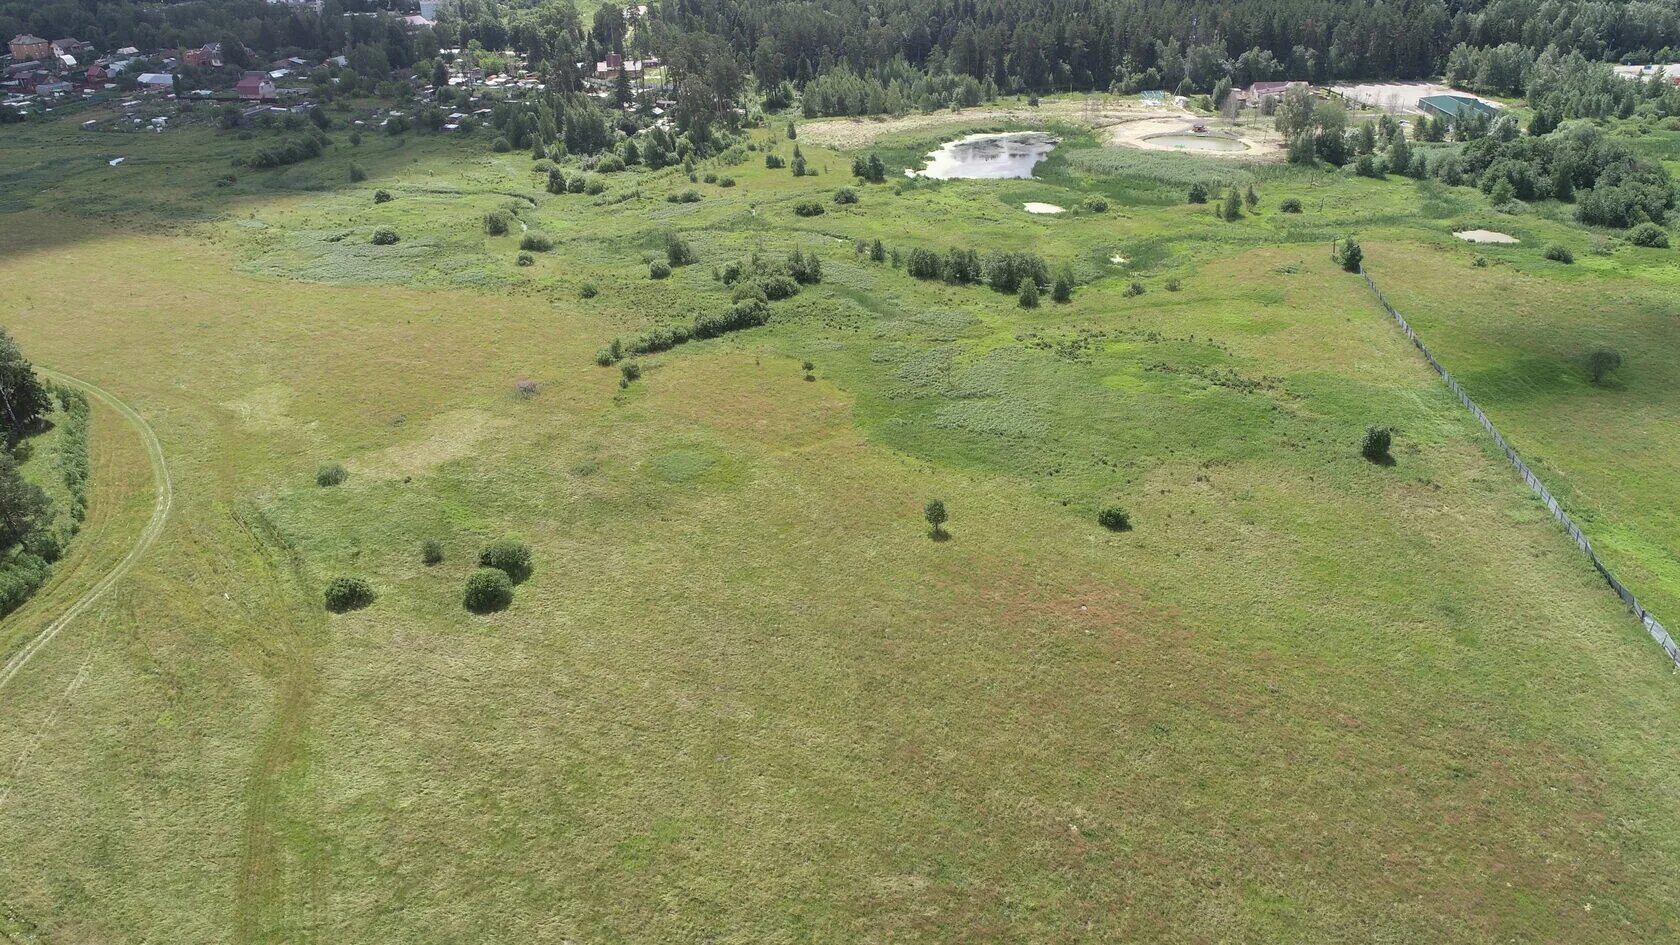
x: 953, y: 48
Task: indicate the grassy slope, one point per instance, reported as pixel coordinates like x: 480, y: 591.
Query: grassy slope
x: 744, y: 697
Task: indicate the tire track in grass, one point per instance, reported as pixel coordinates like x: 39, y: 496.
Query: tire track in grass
x: 280, y: 886
x: 148, y: 536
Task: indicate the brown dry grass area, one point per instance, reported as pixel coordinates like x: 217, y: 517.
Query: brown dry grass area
x: 1090, y: 112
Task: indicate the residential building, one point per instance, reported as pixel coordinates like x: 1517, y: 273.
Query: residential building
x: 255, y: 86
x: 26, y: 47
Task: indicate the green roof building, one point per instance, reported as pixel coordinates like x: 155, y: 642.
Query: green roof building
x: 1450, y: 106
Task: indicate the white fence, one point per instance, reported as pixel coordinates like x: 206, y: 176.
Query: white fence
x: 1652, y: 625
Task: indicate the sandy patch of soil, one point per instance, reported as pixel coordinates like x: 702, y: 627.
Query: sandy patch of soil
x: 1091, y: 112
x: 1486, y: 236
x: 1042, y: 208
x: 1263, y: 143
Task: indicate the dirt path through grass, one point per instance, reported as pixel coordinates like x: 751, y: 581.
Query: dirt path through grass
x: 154, y: 528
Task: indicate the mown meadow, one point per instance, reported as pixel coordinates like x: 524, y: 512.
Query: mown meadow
x: 743, y: 696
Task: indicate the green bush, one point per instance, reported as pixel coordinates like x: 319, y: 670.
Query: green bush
x: 726, y: 182
x: 357, y: 173
x: 1096, y: 203
x: 1290, y: 205
x: 1115, y: 518
x: 526, y: 259
x: 331, y: 474
x: 658, y: 270
x: 382, y: 196
x: 431, y: 552
x: 1376, y: 443
x: 611, y: 164
x: 629, y: 373
x: 498, y: 222
x: 508, y: 556
x: 488, y: 590
x: 1649, y: 234
x: 808, y: 208
x: 1557, y: 253
x: 501, y: 146
x: 384, y: 236
x: 1601, y: 362
x: 686, y: 196
x: 588, y: 291
x: 1198, y: 193
x: 678, y: 252
x: 348, y: 593
x: 536, y: 243
x: 845, y: 195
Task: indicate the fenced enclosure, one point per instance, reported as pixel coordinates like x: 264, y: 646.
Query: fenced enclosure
x: 1652, y: 625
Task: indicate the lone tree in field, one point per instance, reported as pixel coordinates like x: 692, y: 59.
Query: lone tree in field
x: 1376, y: 443
x: 934, y: 512
x: 1351, y: 256
x: 1602, y: 362
x: 1233, y: 205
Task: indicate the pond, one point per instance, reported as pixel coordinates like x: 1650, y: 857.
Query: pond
x: 988, y: 156
x: 1192, y: 142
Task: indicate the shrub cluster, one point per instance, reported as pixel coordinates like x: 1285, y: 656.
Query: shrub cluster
x: 292, y: 150
x: 1559, y: 253
x: 536, y: 243
x: 870, y: 169
x: 1115, y: 518
x: 498, y: 222
x: 384, y: 236
x: 808, y: 208
x: 1003, y: 271
x: 331, y: 474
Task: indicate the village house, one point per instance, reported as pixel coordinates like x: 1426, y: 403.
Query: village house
x: 255, y: 86
x: 208, y: 56
x: 1257, y: 93
x: 614, y: 65
x: 29, y: 48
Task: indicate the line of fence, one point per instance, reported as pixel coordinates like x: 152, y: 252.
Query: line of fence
x: 1652, y: 626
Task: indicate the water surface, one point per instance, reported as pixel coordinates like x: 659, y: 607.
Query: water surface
x: 989, y: 156
x: 1190, y: 142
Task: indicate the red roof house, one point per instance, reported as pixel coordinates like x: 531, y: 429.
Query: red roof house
x: 255, y: 86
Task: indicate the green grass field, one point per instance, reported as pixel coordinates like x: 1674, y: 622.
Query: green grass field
x: 744, y: 698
